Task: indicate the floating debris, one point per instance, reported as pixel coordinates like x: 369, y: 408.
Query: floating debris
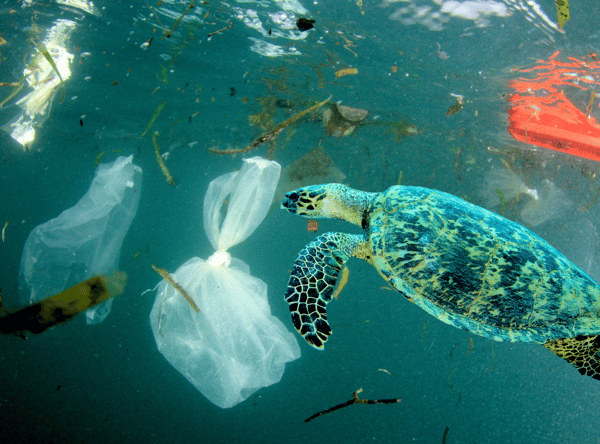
x: 341, y: 121
x: 314, y: 167
x: 457, y: 106
x: 445, y: 436
x: 4, y: 230
x: 160, y: 160
x: 41, y: 48
x: 562, y: 9
x: 157, y: 111
x: 312, y: 225
x: 355, y: 400
x: 167, y: 277
x: 504, y: 184
x: 222, y: 29
x: 64, y: 306
x: 14, y: 92
x: 346, y: 72
x: 551, y: 203
x: 189, y: 7
x: 269, y: 135
x: 305, y: 24
x: 145, y: 45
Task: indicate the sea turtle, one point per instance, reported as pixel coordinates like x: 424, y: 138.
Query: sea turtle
x: 461, y: 263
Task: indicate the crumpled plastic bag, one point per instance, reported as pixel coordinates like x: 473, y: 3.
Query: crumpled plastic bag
x: 85, y: 240
x: 233, y: 345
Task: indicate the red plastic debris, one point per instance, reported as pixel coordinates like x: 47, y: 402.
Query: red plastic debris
x: 542, y: 115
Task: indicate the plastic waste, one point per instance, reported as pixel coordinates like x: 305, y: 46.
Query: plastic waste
x: 232, y: 345
x: 506, y: 182
x: 314, y: 167
x: 85, y: 240
x: 543, y: 109
x: 551, y: 204
x: 341, y: 121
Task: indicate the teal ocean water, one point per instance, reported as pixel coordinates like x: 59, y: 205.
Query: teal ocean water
x: 434, y: 77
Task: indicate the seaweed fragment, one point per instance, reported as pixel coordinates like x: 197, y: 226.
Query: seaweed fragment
x: 562, y: 9
x: 167, y: 277
x: 189, y: 7
x: 160, y: 160
x: 355, y: 400
x: 157, y: 111
x: 41, y: 48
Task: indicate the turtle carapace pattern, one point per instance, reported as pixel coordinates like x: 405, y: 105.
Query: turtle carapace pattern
x: 461, y: 263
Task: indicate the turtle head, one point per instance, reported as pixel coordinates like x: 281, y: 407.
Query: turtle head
x: 332, y: 200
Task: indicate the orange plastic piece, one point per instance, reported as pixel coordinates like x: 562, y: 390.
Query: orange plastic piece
x: 312, y: 225
x: 542, y: 115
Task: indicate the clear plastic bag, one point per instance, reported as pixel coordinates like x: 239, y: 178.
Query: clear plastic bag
x: 85, y: 240
x: 233, y: 346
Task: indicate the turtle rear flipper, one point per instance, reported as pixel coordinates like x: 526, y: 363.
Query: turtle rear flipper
x: 312, y: 282
x: 580, y: 351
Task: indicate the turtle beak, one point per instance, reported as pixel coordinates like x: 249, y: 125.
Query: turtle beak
x: 290, y: 201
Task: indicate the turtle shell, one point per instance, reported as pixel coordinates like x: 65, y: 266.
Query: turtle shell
x: 476, y: 270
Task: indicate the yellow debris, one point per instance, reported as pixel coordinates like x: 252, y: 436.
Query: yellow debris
x: 346, y: 72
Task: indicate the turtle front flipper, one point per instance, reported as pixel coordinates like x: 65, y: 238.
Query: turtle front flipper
x: 313, y: 279
x: 582, y: 352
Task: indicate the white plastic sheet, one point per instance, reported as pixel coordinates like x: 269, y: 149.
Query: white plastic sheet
x: 85, y: 240
x: 233, y: 346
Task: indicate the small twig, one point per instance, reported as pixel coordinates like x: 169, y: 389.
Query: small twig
x: 223, y: 29
x: 269, y: 135
x: 355, y: 400
x: 445, y: 437
x: 167, y: 277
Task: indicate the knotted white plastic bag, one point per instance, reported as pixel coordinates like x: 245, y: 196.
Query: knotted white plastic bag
x: 84, y: 240
x: 233, y: 346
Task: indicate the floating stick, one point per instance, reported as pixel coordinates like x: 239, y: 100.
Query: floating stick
x: 269, y: 135
x: 14, y: 92
x: 445, y: 437
x: 4, y: 230
x: 355, y: 400
x: 159, y: 159
x: 61, y: 307
x: 222, y: 29
x: 167, y: 277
